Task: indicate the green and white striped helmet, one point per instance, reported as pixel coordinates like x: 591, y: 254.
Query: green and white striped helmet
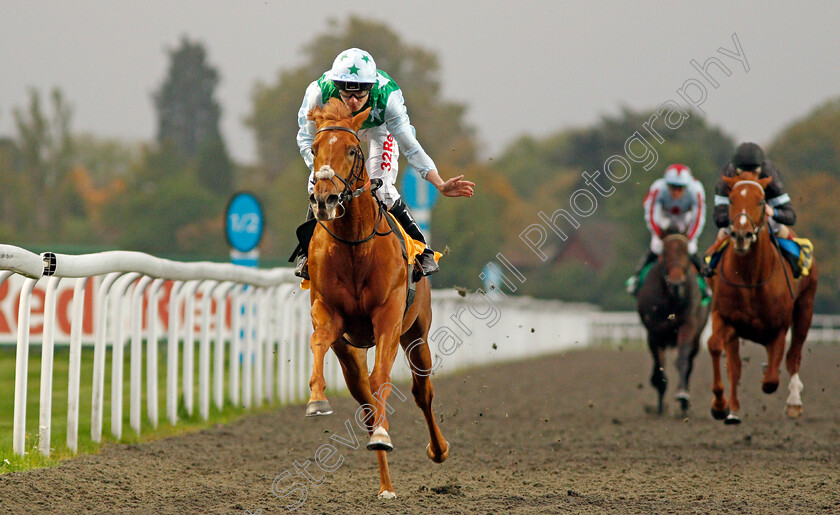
x: 353, y: 70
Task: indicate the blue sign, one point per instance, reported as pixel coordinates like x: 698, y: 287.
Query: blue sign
x: 417, y: 192
x: 244, y: 222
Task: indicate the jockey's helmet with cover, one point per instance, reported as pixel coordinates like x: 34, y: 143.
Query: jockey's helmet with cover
x: 748, y: 157
x: 353, y: 70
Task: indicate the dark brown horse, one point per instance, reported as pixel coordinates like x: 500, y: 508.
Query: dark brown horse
x: 756, y: 298
x: 358, y: 289
x: 670, y: 305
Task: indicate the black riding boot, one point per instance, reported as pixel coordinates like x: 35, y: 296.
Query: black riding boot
x: 633, y: 281
x: 427, y: 259
x: 301, y: 266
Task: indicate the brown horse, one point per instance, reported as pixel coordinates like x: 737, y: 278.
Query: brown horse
x: 670, y: 305
x: 359, y: 287
x: 756, y: 298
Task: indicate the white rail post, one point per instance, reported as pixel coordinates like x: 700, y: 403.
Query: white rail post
x: 204, y: 352
x: 152, y: 352
x: 22, y: 368
x: 136, y: 360
x: 304, y: 353
x: 248, y: 350
x: 99, y: 350
x: 268, y: 313
x: 284, y: 345
x: 118, y: 354
x: 172, y: 356
x: 47, y: 354
x: 224, y: 289
x: 257, y: 346
x: 189, y: 345
x: 75, y: 365
x: 235, y: 340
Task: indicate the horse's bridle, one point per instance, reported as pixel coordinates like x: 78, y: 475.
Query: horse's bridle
x: 349, y: 193
x: 756, y: 226
x: 665, y: 266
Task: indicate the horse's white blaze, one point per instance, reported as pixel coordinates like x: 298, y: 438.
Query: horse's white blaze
x: 744, y: 219
x: 795, y: 387
x: 333, y: 140
x: 326, y: 172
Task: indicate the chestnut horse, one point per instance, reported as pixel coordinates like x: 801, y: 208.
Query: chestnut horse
x: 358, y: 289
x: 670, y: 306
x: 756, y: 298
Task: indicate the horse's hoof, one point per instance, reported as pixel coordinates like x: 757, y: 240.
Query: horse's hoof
x: 793, y: 411
x: 437, y: 459
x: 732, y: 419
x: 380, y: 441
x: 387, y: 494
x: 684, y: 399
x: 316, y: 408
x: 769, y: 387
x: 720, y: 414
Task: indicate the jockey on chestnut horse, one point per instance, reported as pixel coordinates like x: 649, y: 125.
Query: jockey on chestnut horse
x: 360, y: 271
x: 758, y: 293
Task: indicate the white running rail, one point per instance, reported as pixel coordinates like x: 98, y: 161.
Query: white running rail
x: 123, y: 281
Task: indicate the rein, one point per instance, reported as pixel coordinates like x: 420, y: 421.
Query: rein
x: 349, y: 193
x: 756, y: 229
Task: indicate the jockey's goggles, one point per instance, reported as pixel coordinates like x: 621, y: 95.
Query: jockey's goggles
x: 357, y: 87
x: 358, y: 95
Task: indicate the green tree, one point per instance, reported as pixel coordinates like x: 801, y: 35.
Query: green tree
x: 188, y: 115
x: 808, y: 154
x: 42, y: 203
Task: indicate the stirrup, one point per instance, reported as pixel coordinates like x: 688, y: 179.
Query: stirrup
x: 302, y: 267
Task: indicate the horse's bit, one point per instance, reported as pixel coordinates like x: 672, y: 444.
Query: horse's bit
x: 349, y: 193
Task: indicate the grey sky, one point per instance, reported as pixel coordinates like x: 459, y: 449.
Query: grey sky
x: 521, y: 67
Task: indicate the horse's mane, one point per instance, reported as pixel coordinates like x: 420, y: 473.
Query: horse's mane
x: 333, y: 111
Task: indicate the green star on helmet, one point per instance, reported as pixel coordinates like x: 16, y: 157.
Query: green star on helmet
x: 354, y: 70
x: 343, y: 57
x: 366, y: 59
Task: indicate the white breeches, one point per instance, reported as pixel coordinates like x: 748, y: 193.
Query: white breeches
x: 656, y: 245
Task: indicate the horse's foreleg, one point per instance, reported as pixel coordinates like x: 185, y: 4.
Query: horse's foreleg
x: 386, y: 329
x: 720, y: 408
x: 657, y: 377
x: 327, y: 329
x: 687, y: 347
x: 733, y: 369
x: 420, y: 360
x: 775, y: 350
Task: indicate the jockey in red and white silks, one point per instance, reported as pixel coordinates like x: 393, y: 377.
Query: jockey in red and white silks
x: 675, y: 201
